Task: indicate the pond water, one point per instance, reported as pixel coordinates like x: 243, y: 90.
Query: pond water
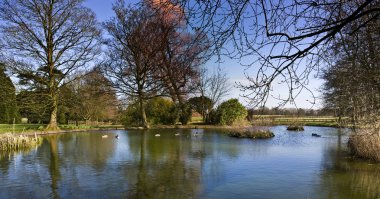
x: 195, y: 164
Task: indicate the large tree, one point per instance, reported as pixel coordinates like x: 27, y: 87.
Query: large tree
x: 278, y: 40
x: 46, y: 41
x: 132, y: 47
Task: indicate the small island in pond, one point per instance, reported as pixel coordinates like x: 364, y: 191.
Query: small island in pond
x: 253, y: 134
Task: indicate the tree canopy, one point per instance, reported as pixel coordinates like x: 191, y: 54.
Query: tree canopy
x: 45, y: 42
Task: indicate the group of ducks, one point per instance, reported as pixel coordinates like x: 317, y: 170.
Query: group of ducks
x: 315, y: 135
x: 106, y: 136
x: 117, y: 136
x: 158, y: 135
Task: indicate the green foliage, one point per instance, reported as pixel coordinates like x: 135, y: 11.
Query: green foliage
x: 161, y: 111
x: 8, y: 108
x: 131, y: 116
x: 185, y: 114
x: 34, y: 105
x: 202, y: 105
x: 213, y: 117
x: 230, y: 112
x: 158, y: 111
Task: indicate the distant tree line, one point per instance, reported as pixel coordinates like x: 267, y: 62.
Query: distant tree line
x: 289, y: 111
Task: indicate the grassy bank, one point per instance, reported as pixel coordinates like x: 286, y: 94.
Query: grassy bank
x: 40, y: 128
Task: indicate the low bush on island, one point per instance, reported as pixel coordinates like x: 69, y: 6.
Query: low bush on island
x: 257, y: 134
x: 295, y: 128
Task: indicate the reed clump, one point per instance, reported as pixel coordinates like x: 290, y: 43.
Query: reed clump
x: 12, y: 142
x: 365, y: 143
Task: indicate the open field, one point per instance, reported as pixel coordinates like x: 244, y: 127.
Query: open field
x: 304, y: 120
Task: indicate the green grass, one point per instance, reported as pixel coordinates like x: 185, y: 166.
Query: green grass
x: 24, y: 128
x: 302, y: 121
x: 17, y: 128
x: 196, y: 120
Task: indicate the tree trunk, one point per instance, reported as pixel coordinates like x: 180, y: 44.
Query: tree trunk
x: 143, y: 114
x: 53, y: 115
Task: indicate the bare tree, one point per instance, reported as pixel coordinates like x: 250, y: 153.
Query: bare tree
x: 284, y: 40
x: 132, y: 55
x: 91, y: 97
x: 214, y: 86
x: 352, y: 81
x: 181, y: 51
x: 47, y: 41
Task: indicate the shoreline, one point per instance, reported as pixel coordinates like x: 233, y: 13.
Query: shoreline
x: 155, y: 127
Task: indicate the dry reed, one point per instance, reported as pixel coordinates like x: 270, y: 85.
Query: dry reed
x: 12, y: 142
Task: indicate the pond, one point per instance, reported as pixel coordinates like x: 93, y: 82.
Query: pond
x: 195, y: 164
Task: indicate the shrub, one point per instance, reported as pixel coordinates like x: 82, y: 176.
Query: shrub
x: 185, y: 113
x: 158, y: 111
x: 131, y: 116
x: 161, y: 111
x: 213, y: 117
x: 230, y: 112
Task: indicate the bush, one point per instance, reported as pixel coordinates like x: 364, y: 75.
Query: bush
x: 158, y: 111
x: 161, y: 111
x: 185, y: 114
x: 213, y: 117
x: 229, y: 112
x: 132, y: 117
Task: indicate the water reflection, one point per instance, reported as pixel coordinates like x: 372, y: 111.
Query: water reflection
x: 195, y: 164
x: 344, y: 177
x: 55, y: 175
x: 162, y: 168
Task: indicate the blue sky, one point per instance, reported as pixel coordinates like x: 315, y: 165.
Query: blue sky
x: 103, y: 10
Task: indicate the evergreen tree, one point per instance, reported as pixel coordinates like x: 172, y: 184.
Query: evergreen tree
x: 8, y: 109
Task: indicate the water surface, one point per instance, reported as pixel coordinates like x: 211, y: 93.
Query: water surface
x: 196, y: 164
